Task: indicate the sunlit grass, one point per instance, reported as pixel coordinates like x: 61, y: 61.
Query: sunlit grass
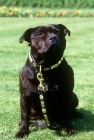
x: 79, y: 54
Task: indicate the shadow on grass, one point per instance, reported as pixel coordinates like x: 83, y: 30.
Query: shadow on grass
x: 82, y: 125
x: 86, y: 123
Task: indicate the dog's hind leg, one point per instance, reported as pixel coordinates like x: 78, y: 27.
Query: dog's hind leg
x: 74, y: 112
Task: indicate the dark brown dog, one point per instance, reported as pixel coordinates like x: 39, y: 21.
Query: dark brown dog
x: 47, y: 45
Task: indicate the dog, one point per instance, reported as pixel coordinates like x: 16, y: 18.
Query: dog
x: 56, y: 77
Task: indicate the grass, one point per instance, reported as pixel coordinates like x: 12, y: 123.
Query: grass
x: 80, y: 55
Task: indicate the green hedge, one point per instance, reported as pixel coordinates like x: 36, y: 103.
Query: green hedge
x: 50, y: 3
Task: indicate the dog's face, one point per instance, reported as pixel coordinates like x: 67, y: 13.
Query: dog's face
x: 47, y: 42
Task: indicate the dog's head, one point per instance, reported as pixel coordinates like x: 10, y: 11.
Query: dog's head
x: 47, y: 42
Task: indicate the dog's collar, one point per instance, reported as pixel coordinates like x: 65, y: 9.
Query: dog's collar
x: 32, y: 60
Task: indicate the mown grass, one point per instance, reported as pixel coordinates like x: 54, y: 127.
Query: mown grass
x: 80, y: 55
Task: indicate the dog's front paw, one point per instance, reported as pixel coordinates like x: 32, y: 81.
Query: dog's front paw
x: 67, y: 127
x: 69, y: 130
x: 23, y: 131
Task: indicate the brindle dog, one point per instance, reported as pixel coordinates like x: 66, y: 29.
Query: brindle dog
x: 47, y: 44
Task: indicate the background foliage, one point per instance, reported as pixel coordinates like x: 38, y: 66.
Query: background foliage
x: 31, y: 12
x: 50, y: 3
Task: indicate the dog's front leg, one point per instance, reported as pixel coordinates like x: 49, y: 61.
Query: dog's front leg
x: 66, y: 122
x: 24, y: 126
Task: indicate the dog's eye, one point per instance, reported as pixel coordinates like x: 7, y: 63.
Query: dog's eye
x: 39, y: 34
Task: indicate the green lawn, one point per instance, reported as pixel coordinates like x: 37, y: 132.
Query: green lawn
x: 80, y: 55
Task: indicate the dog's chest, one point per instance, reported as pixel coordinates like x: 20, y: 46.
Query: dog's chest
x: 53, y: 80
x: 52, y: 74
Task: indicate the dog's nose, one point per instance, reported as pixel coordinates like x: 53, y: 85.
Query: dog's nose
x: 52, y: 38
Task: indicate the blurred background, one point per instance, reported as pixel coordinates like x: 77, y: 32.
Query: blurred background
x: 50, y: 3
x: 46, y: 8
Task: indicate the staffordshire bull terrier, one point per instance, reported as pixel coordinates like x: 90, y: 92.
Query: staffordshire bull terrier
x: 47, y: 80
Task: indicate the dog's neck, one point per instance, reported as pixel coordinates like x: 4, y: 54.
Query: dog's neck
x: 34, y: 63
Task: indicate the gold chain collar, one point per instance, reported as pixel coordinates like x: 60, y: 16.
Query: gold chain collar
x: 46, y: 69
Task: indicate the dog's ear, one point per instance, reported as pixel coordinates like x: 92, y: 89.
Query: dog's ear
x: 26, y: 35
x: 64, y: 29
